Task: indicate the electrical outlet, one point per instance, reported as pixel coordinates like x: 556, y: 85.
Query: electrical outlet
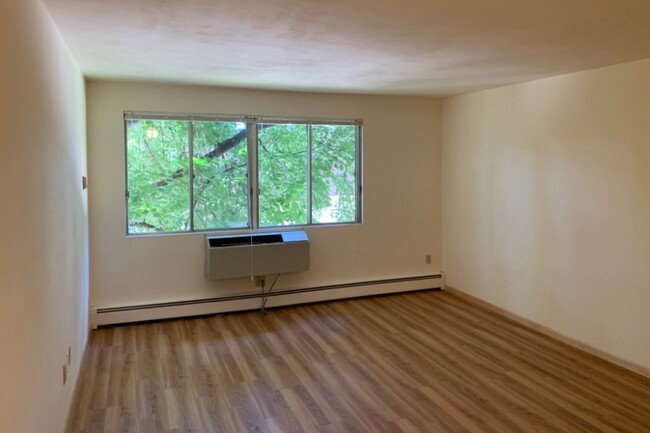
x: 68, y: 355
x: 65, y: 374
x: 427, y: 259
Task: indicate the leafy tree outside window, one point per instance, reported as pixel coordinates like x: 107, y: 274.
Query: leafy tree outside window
x: 193, y: 173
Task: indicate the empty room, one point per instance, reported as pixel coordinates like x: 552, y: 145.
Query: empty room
x: 303, y: 216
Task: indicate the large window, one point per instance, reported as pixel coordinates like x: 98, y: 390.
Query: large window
x: 194, y: 173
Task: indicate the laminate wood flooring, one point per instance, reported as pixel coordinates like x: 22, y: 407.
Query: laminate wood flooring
x: 419, y: 362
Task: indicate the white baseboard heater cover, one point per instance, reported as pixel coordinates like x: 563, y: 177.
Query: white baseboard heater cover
x: 251, y: 301
x: 256, y: 254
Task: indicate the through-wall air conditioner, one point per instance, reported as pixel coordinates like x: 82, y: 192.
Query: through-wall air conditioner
x: 256, y: 254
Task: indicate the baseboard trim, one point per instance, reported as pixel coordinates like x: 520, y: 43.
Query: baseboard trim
x: 628, y: 365
x: 252, y: 301
x: 83, y: 364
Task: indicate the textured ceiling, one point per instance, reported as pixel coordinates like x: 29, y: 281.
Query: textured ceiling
x: 427, y: 47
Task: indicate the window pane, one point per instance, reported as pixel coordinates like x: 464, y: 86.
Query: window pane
x: 158, y: 175
x: 220, y: 175
x: 282, y: 161
x: 334, y: 173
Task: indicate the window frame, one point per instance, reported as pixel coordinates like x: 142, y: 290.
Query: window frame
x: 252, y: 143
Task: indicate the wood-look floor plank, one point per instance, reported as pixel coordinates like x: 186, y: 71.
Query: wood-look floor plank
x: 611, y: 411
x: 412, y: 363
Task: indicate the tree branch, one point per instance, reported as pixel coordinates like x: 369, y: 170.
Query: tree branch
x: 218, y: 150
x: 145, y: 225
x: 226, y: 145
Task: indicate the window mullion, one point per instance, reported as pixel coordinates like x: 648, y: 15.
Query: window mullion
x: 126, y: 174
x: 309, y: 175
x: 253, y: 176
x: 190, y: 136
x: 358, y: 174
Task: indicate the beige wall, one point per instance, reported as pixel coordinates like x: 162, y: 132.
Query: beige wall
x: 43, y: 230
x: 401, y: 194
x: 546, y: 203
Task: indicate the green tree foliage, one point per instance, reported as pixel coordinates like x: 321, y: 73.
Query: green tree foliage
x: 334, y: 172
x: 221, y: 183
x: 158, y: 174
x: 283, y: 163
x: 158, y: 150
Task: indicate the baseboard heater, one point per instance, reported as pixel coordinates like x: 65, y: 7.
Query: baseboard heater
x: 256, y: 254
x: 251, y: 301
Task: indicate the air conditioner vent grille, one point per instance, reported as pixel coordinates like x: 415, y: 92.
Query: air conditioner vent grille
x: 256, y: 255
x: 233, y: 241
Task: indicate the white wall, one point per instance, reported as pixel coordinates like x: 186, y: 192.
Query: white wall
x: 43, y: 229
x: 546, y: 203
x: 401, y: 194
